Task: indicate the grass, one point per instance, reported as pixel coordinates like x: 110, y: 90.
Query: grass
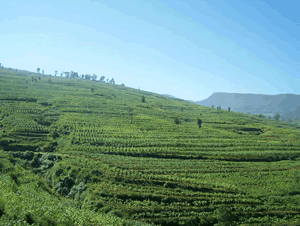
x: 106, y: 155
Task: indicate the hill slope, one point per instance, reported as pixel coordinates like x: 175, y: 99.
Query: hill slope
x: 285, y: 104
x: 79, y: 152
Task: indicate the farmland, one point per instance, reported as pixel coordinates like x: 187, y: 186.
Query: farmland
x: 78, y: 152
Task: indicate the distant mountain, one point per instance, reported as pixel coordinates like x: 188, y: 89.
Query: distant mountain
x: 288, y: 105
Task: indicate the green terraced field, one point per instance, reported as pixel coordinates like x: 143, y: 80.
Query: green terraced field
x: 70, y: 156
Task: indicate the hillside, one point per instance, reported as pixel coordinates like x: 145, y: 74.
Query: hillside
x: 78, y: 152
x: 288, y: 105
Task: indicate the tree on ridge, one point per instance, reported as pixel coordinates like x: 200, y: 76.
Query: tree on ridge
x: 277, y: 116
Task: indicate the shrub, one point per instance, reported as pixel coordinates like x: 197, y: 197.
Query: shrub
x: 199, y: 122
x: 225, y: 217
x: 261, y: 116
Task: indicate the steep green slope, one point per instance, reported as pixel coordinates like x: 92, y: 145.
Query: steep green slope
x: 114, y: 157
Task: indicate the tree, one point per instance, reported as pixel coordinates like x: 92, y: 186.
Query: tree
x: 143, y: 99
x: 74, y: 74
x: 38, y: 70
x: 94, y: 77
x: 122, y: 84
x: 277, y: 116
x: 228, y: 109
x: 107, y: 80
x: 176, y: 120
x: 92, y: 89
x: 130, y: 110
x: 67, y: 74
x: 290, y: 120
x: 82, y: 76
x: 261, y: 115
x: 102, y: 78
x: 269, y: 117
x: 199, y: 122
x: 43, y: 71
x: 55, y: 72
x: 212, y: 107
x: 112, y: 81
x: 88, y: 77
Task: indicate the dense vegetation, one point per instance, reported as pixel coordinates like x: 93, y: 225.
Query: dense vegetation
x: 78, y: 152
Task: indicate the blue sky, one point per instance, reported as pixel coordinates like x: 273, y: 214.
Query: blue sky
x: 188, y: 49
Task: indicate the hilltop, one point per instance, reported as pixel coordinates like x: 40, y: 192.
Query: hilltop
x: 79, y: 152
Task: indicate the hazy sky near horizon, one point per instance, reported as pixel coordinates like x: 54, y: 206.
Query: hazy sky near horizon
x: 188, y: 49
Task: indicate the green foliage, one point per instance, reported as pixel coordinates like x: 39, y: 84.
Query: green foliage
x: 199, y: 122
x: 261, y: 116
x: 71, y: 158
x: 177, y: 121
x: 2, y: 207
x: 225, y: 217
x: 277, y: 116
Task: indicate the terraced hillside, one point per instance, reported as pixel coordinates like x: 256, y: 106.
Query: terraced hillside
x: 77, y: 152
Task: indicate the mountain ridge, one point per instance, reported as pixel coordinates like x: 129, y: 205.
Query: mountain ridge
x: 288, y: 105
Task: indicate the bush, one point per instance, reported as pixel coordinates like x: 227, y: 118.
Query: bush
x: 199, y: 122
x: 261, y: 116
x: 225, y: 217
x: 2, y: 207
